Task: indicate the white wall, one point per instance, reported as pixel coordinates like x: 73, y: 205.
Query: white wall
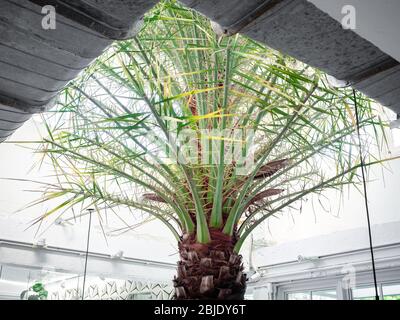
x: 329, y: 244
x: 16, y: 162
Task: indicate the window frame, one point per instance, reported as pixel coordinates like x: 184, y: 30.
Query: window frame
x: 335, y: 283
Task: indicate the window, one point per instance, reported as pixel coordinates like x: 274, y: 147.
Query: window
x: 391, y: 292
x: 385, y: 291
x: 365, y: 293
x: 324, y: 295
x: 140, y: 296
x: 396, y: 137
x: 249, y: 296
x: 312, y: 295
x: 299, y: 296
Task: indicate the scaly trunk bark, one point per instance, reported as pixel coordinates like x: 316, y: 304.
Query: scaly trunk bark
x: 209, y: 271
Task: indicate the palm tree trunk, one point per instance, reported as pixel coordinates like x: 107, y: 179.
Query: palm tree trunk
x: 209, y: 271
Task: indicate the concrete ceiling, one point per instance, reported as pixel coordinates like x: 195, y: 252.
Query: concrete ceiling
x: 376, y: 21
x: 304, y: 31
x: 35, y: 64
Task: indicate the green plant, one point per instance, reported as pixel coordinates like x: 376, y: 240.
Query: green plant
x: 36, y: 292
x: 116, y: 140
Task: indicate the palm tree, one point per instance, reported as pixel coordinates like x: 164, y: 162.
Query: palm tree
x: 210, y: 135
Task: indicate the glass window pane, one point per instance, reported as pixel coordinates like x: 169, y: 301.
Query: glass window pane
x: 324, y: 295
x: 366, y: 293
x: 249, y: 297
x: 391, y: 292
x: 31, y: 284
x: 299, y: 296
x: 140, y: 296
x: 396, y: 137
